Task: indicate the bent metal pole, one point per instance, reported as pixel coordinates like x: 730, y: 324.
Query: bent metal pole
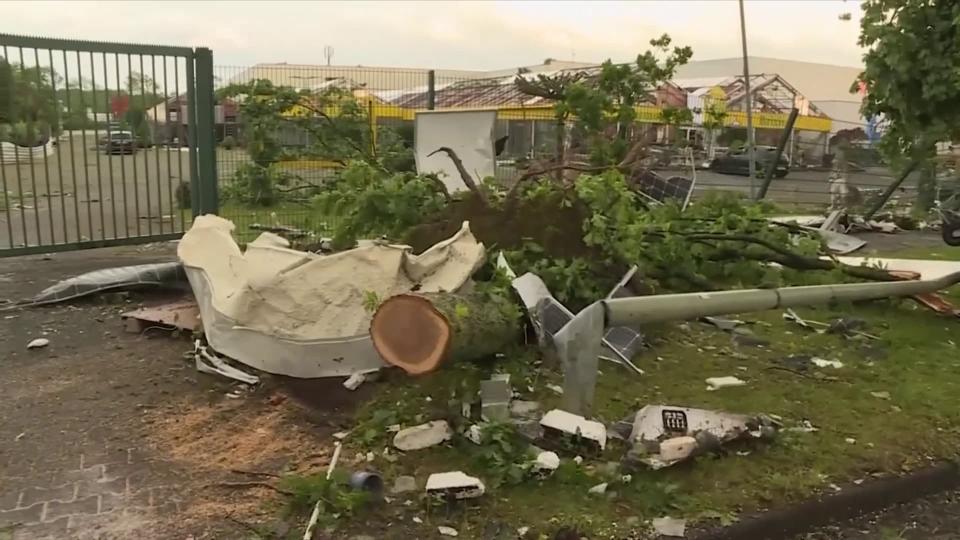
x: 578, y: 343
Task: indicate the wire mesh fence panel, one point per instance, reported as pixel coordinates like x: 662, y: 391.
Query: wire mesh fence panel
x: 285, y: 131
x: 89, y: 153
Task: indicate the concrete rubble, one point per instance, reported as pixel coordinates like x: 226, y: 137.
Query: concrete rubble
x: 495, y: 395
x: 454, y: 485
x: 576, y: 429
x: 423, y: 436
x: 670, y: 527
x: 403, y: 484
x: 716, y: 383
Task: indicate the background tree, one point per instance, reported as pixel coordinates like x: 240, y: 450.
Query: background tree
x: 7, y: 92
x: 28, y: 105
x: 603, y: 105
x: 912, y: 76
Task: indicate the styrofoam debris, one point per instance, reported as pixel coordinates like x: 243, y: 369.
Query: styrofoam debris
x: 38, y: 343
x: 447, y: 531
x: 423, y: 436
x: 575, y: 426
x: 555, y: 388
x: 714, y: 383
x: 455, y: 484
x: 547, y: 461
x: 416, y: 519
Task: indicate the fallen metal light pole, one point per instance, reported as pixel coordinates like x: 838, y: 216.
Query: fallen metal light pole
x: 578, y: 343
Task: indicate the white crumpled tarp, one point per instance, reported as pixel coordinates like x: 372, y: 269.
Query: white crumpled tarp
x: 301, y: 314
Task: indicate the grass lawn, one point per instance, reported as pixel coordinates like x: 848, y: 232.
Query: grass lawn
x: 860, y: 436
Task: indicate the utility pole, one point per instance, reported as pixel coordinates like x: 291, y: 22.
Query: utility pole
x: 749, y: 104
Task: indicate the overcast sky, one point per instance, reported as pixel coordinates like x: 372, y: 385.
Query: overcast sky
x: 452, y: 35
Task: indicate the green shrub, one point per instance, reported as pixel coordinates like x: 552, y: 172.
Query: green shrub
x: 228, y: 142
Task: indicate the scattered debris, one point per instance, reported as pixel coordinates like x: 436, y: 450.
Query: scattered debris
x: 474, y: 434
x: 548, y: 316
x: 850, y: 440
x: 522, y: 408
x: 20, y: 436
x: 727, y: 325
x: 141, y: 276
x: 423, y: 436
x: 283, y: 230
x: 803, y: 427
x: 183, y: 315
x: 555, y: 388
x: 315, y: 515
x: 417, y: 520
x: 744, y: 337
x: 495, y: 395
x: 821, y: 363
x: 403, y: 484
x: 715, y: 383
x: 575, y: 428
x: 38, y: 343
x: 455, y: 485
x: 675, y: 429
x: 368, y: 481
x: 668, y: 526
x: 598, y: 489
x: 881, y: 395
x: 846, y: 325
x: 677, y: 448
x: 354, y: 381
x: 447, y: 531
x: 208, y: 362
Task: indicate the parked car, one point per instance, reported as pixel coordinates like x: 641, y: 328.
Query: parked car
x: 120, y: 142
x: 737, y: 162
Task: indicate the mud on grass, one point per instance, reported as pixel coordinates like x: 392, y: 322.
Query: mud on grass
x: 916, y: 362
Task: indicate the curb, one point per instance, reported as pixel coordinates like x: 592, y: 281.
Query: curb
x: 850, y: 503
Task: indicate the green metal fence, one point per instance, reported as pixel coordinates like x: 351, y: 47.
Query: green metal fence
x: 102, y: 143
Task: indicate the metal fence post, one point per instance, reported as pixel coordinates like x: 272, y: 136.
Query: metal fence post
x: 206, y: 139
x: 772, y: 166
x: 195, y: 209
x: 431, y: 90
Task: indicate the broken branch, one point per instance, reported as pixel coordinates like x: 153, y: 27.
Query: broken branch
x: 458, y: 163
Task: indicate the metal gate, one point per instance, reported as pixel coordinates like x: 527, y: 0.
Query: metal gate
x: 102, y: 143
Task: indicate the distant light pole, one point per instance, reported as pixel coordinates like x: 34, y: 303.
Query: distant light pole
x: 749, y: 105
